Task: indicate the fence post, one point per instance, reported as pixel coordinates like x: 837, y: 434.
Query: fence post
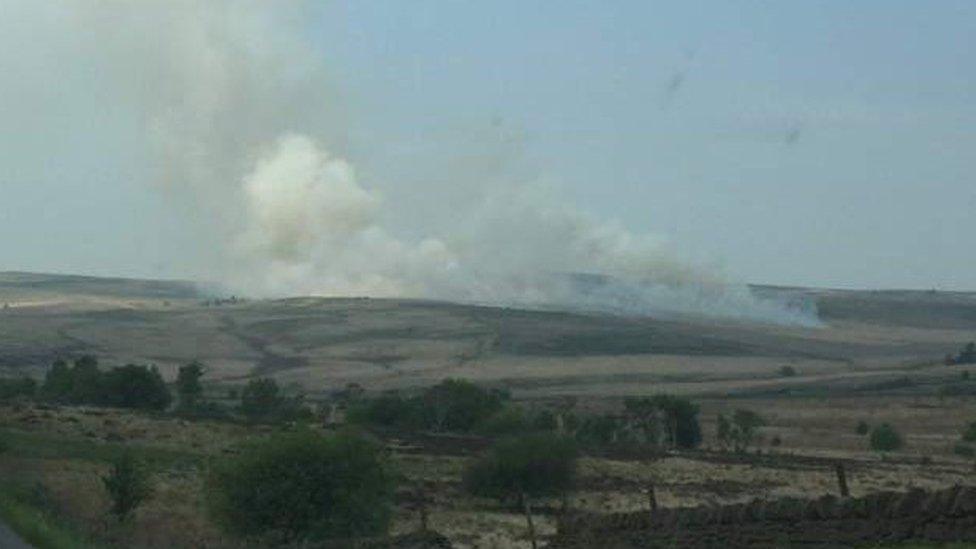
x: 528, y: 518
x: 651, y: 498
x: 842, y: 479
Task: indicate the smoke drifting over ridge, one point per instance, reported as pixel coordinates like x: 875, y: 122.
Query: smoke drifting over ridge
x: 234, y: 103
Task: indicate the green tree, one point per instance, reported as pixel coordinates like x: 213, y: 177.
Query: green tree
x: 787, y: 371
x: 968, y: 354
x: 389, y: 409
x: 188, y: 385
x: 884, y: 438
x: 542, y: 464
x: 305, y: 486
x: 20, y: 387
x: 128, y: 484
x: 57, y: 382
x: 680, y: 420
x: 745, y: 424
x: 597, y: 431
x: 85, y: 381
x: 134, y: 386
x: 261, y: 399
x: 969, y: 432
x: 459, y: 405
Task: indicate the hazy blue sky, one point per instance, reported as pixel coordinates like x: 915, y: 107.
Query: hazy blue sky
x: 823, y: 143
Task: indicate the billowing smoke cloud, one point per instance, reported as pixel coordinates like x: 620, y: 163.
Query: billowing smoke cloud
x: 239, y: 122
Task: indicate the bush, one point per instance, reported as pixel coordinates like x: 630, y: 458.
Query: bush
x: 303, y: 485
x: 459, y: 405
x: 390, y: 409
x: 452, y: 405
x: 132, y: 386
x: 787, y: 371
x: 23, y: 387
x: 862, y: 428
x: 665, y: 419
x: 964, y: 450
x: 535, y: 465
x: 967, y: 355
x: 969, y: 433
x: 509, y: 421
x: 740, y: 431
x: 128, y: 485
x: 262, y: 401
x: 188, y: 385
x: 598, y: 431
x: 884, y: 438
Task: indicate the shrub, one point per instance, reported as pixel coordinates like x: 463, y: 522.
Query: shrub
x: 884, y: 438
x: 510, y: 420
x: 665, y: 419
x: 969, y: 433
x: 133, y: 386
x: 303, y: 485
x: 597, y: 431
x: 85, y: 381
x: 451, y: 405
x: 262, y: 401
x: 130, y: 386
x: 968, y: 354
x: 459, y: 405
x: 188, y: 385
x: 740, y: 431
x: 57, y: 382
x: 535, y: 465
x: 787, y: 371
x: 128, y: 485
x: 862, y: 428
x: 389, y: 409
x: 964, y: 450
x: 77, y: 384
x: 16, y: 388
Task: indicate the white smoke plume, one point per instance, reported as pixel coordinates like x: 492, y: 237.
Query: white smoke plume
x: 240, y: 124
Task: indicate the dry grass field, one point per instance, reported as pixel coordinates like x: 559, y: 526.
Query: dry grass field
x: 878, y: 358
x: 60, y: 450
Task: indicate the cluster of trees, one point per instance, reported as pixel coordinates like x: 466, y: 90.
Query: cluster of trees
x: 139, y: 387
x: 966, y: 355
x: 130, y: 386
x: 453, y: 405
x: 460, y: 406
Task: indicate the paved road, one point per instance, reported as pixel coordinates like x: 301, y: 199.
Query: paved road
x: 9, y: 540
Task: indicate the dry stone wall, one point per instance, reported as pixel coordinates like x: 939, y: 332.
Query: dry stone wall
x: 940, y: 516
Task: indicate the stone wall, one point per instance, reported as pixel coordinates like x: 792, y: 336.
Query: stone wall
x: 945, y: 515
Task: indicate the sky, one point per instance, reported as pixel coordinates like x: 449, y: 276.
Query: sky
x: 823, y: 143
